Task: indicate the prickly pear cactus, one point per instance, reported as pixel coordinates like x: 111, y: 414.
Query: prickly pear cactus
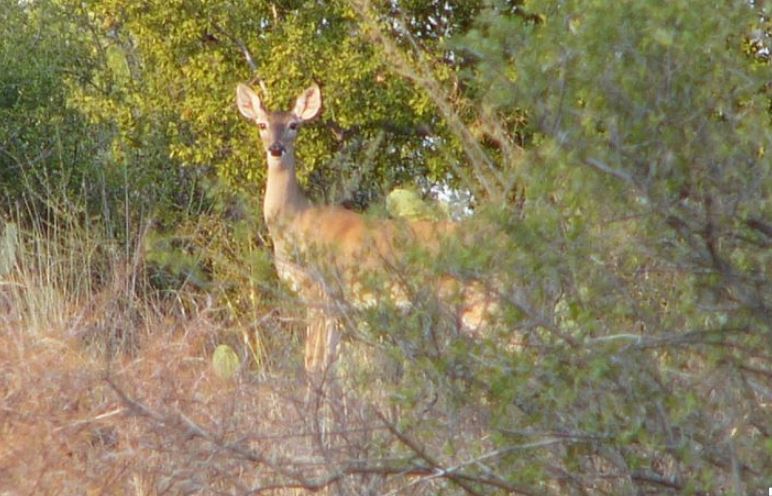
x: 225, y: 361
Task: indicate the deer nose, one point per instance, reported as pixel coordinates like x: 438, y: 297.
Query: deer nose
x: 276, y: 149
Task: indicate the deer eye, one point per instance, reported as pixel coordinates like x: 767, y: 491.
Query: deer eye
x: 293, y: 125
x: 262, y: 126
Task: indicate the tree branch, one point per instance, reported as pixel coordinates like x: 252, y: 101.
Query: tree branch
x: 452, y: 473
x: 247, y: 56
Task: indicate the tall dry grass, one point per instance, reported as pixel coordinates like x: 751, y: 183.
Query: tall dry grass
x: 106, y: 388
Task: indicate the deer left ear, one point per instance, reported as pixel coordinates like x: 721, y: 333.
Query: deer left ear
x: 248, y: 102
x: 309, y: 103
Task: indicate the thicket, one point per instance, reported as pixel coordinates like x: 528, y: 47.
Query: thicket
x: 617, y: 154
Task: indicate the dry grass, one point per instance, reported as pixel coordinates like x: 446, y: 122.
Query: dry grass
x: 109, y: 395
x: 73, y: 423
x: 108, y: 388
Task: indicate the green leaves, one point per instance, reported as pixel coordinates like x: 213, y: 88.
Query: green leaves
x: 630, y: 273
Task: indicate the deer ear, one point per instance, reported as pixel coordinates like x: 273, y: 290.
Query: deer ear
x: 309, y: 104
x: 249, y: 102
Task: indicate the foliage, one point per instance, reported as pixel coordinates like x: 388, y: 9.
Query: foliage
x: 619, y: 158
x: 37, y: 130
x: 403, y: 203
x: 170, y: 85
x: 637, y: 276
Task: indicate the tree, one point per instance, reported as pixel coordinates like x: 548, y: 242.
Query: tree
x: 38, y: 131
x: 638, y: 274
x: 183, y: 60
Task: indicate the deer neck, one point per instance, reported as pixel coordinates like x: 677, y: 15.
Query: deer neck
x: 284, y: 199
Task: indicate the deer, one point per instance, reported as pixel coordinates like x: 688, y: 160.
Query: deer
x: 310, y: 241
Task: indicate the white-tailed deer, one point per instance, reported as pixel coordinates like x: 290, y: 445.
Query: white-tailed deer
x: 312, y: 243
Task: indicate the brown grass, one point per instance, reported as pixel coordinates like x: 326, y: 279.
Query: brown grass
x: 106, y: 387
x: 80, y: 417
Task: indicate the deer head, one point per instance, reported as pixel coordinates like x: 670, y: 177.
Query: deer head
x: 278, y: 130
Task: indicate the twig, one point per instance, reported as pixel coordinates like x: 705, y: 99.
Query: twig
x: 650, y: 477
x: 289, y: 470
x: 452, y: 473
x: 603, y: 167
x: 247, y: 56
x: 134, y: 405
x: 420, y: 74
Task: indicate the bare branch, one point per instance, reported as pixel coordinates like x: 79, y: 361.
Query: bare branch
x: 134, y: 406
x: 482, y: 165
x: 247, y: 56
x: 603, y: 167
x: 452, y: 473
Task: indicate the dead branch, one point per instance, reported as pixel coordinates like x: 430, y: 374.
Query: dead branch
x: 247, y: 56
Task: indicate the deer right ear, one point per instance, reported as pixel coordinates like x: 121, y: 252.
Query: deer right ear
x: 249, y: 102
x: 309, y: 104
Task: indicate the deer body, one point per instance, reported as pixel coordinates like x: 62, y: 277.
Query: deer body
x: 323, y: 238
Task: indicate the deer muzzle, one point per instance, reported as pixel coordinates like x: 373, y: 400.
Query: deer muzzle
x: 276, y: 149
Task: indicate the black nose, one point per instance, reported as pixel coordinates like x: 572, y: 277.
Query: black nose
x: 276, y: 149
